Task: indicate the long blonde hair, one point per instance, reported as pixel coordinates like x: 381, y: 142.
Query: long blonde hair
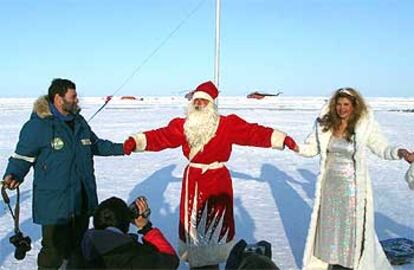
x: 331, y: 120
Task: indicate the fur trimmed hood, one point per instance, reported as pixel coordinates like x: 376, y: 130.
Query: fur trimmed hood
x: 41, y: 107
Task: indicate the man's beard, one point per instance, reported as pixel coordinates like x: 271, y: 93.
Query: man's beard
x: 70, y: 107
x: 200, y: 126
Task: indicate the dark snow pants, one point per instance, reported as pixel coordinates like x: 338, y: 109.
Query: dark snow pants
x: 62, y: 242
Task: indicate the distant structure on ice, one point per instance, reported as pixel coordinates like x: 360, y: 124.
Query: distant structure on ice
x: 259, y: 95
x: 108, y: 98
x: 255, y: 95
x: 189, y: 95
x: 128, y: 98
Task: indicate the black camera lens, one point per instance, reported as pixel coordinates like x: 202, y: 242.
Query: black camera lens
x: 22, y: 245
x: 255, y: 248
x: 134, y: 211
x: 20, y: 253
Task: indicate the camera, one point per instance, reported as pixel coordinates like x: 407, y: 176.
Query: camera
x: 255, y: 248
x: 22, y: 244
x: 134, y: 211
x: 263, y: 248
x: 241, y: 251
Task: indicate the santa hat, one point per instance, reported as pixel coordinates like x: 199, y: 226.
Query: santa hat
x: 206, y: 90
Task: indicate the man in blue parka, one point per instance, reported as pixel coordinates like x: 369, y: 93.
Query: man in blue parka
x: 60, y: 145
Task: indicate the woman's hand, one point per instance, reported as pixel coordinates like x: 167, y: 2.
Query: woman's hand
x: 406, y: 155
x: 410, y: 158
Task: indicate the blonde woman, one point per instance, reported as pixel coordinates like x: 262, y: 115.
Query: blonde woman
x: 341, y: 233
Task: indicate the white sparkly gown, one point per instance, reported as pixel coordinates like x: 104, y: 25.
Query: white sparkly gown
x: 335, y: 235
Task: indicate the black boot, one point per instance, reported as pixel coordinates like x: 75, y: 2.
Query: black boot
x: 338, y: 267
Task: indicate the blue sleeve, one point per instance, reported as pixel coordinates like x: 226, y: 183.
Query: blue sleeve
x: 26, y: 152
x: 105, y: 148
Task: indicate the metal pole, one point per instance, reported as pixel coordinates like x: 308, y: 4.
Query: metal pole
x: 217, y: 51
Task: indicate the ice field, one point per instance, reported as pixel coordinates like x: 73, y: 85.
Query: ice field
x: 273, y: 190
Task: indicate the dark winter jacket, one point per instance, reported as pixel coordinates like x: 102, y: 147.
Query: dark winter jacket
x: 62, y: 159
x: 112, y: 249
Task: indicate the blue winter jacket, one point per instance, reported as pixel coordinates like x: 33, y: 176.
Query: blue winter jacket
x: 62, y: 159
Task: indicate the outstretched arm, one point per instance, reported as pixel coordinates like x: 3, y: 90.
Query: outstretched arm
x: 102, y: 147
x: 164, y: 256
x: 252, y: 134
x: 170, y: 136
x: 379, y: 145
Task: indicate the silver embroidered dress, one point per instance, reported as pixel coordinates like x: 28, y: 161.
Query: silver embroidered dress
x: 335, y: 236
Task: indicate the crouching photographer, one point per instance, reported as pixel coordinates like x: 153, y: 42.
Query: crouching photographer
x: 109, y: 245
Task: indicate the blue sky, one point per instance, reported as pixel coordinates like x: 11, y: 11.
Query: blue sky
x: 300, y: 47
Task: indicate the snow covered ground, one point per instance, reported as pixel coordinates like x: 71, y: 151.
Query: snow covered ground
x: 273, y: 190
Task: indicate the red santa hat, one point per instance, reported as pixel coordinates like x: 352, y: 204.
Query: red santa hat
x: 206, y: 90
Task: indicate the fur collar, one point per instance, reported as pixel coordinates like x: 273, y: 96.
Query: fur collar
x: 41, y: 107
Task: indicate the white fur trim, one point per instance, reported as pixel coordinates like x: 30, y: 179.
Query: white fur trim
x: 25, y: 158
x: 202, y: 255
x: 394, y: 152
x: 367, y: 135
x: 41, y: 107
x: 202, y: 95
x: 277, y: 139
x: 409, y: 176
x: 317, y: 264
x: 141, y: 142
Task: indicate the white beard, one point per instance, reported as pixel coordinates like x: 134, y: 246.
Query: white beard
x: 200, y: 126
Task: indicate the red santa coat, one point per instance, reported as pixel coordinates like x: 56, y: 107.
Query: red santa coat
x: 206, y: 228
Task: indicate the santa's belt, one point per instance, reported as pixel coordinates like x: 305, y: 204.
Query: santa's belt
x: 206, y: 167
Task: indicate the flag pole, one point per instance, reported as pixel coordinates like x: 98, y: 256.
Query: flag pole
x: 217, y: 48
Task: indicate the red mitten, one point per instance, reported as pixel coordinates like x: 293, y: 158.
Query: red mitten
x: 290, y: 143
x: 129, y: 146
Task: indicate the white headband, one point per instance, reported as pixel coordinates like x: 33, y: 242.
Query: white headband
x: 345, y: 91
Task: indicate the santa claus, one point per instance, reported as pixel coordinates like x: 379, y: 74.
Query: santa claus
x: 206, y: 228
